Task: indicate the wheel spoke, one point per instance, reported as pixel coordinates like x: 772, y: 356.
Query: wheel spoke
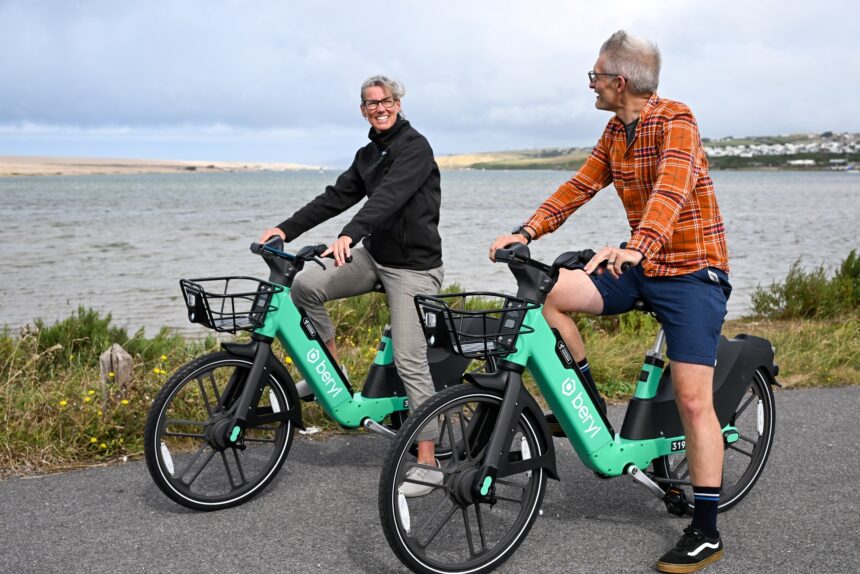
x: 747, y: 439
x: 471, y: 542
x: 480, y: 521
x: 202, y: 388
x: 184, y: 422
x: 229, y: 472
x: 744, y: 406
x: 194, y: 461
x: 185, y: 435
x: 455, y: 450
x: 239, y: 466
x: 743, y: 452
x: 438, y: 529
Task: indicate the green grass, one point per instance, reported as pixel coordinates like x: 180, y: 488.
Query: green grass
x: 58, y: 413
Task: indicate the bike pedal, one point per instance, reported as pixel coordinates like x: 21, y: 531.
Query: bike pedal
x: 675, y: 501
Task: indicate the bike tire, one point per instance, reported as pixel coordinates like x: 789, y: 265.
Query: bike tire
x: 744, y: 460
x: 461, y: 537
x: 190, y: 405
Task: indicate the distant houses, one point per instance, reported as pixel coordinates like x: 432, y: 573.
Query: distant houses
x: 827, y: 144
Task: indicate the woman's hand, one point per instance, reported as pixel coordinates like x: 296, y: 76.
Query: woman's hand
x: 339, y: 250
x: 272, y: 232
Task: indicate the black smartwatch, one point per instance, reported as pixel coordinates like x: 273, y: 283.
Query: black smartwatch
x: 521, y: 230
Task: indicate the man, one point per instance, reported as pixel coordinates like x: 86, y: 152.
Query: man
x: 652, y: 152
x: 397, y: 174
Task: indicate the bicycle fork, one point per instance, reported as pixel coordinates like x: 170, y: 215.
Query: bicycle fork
x: 229, y: 429
x: 515, y: 400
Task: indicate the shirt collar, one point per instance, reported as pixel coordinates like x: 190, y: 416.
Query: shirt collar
x: 646, y: 110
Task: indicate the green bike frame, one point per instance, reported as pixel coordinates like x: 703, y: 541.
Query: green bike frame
x: 320, y: 370
x: 571, y: 399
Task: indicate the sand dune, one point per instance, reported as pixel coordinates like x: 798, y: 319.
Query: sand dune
x: 12, y: 165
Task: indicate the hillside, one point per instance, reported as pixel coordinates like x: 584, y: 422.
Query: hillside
x: 837, y: 151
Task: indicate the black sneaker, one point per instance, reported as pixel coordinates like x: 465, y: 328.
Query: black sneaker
x: 693, y: 551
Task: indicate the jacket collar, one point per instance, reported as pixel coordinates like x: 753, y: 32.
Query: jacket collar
x: 384, y: 138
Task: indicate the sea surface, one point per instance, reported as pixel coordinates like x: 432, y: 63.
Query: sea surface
x: 120, y: 244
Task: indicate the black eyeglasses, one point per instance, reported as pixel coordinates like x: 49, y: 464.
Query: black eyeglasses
x: 371, y: 105
x: 592, y: 76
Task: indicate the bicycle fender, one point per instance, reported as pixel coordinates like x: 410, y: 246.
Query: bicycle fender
x: 525, y: 402
x: 249, y: 351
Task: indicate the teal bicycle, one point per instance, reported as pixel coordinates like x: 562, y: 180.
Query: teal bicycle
x: 487, y: 494
x: 222, y: 426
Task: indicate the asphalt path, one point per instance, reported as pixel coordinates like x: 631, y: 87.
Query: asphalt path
x: 320, y: 514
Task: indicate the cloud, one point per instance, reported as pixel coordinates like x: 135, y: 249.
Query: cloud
x: 479, y: 73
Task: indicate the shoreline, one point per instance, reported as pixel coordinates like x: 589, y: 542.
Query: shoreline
x: 16, y: 166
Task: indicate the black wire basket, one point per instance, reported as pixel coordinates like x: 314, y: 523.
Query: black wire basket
x: 488, y: 329
x: 228, y: 304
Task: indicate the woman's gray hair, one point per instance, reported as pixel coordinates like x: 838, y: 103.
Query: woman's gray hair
x: 395, y: 88
x: 636, y: 59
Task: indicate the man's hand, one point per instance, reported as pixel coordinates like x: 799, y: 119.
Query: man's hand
x: 615, y: 258
x: 503, y: 241
x: 269, y: 233
x: 340, y: 250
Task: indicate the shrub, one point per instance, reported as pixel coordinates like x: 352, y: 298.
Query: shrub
x: 811, y: 294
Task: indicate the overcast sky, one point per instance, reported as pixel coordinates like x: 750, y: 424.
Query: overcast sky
x: 279, y: 80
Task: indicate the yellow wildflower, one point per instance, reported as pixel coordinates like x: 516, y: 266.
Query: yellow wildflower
x: 91, y: 392
x: 111, y: 375
x: 102, y: 445
x: 163, y: 357
x: 94, y: 440
x: 289, y: 361
x: 87, y: 399
x: 124, y: 402
x: 63, y: 403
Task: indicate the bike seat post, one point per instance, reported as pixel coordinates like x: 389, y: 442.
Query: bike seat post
x: 659, y: 341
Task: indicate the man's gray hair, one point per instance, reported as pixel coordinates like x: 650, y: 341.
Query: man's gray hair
x: 636, y: 59
x: 395, y: 88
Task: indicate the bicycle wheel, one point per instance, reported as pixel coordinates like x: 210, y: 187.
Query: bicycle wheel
x: 398, y: 418
x: 744, y: 460
x: 444, y: 531
x: 182, y: 453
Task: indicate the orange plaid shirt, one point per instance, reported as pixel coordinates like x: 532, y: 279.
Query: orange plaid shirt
x: 662, y: 180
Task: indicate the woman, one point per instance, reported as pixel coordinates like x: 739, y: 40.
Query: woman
x: 401, y: 247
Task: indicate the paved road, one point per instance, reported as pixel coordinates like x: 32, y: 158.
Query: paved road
x: 320, y: 515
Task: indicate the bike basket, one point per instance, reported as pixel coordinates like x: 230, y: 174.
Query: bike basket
x: 228, y: 304
x: 474, y: 325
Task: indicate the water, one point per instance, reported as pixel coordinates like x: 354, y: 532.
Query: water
x: 120, y: 244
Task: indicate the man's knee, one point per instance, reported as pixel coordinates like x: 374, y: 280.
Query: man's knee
x: 693, y: 386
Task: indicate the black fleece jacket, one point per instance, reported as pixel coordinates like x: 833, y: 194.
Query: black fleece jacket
x: 399, y: 222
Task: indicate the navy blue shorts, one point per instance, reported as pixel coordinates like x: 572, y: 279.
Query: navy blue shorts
x: 690, y: 307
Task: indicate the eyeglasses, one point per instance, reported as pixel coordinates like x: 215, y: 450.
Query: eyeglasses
x: 371, y: 105
x: 592, y: 76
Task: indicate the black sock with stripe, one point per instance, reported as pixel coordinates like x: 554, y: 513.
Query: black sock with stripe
x: 586, y: 372
x: 706, y: 500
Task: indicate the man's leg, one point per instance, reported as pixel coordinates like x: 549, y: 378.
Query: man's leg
x: 693, y: 385
x: 574, y: 292
x: 314, y: 286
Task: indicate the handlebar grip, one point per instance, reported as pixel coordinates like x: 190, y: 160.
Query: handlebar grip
x: 626, y: 266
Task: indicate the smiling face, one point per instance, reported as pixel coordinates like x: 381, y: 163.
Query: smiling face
x: 606, y: 87
x: 381, y: 118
